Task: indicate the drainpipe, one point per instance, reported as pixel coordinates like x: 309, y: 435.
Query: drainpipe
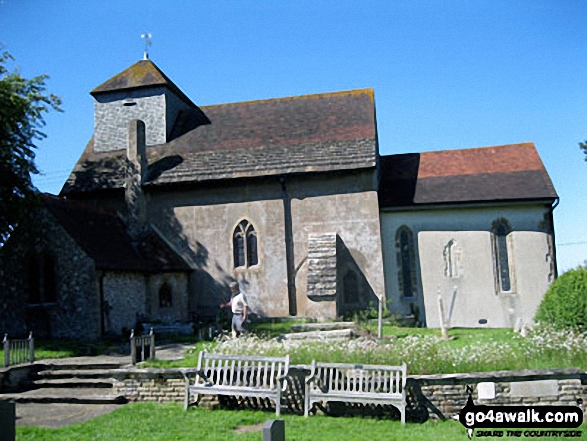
x: 289, y: 249
x: 551, y: 219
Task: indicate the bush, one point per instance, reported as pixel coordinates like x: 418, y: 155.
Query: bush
x: 565, y: 304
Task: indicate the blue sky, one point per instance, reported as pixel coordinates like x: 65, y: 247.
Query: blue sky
x: 446, y: 74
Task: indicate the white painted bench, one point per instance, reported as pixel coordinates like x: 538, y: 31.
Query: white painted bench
x: 356, y: 383
x: 235, y: 375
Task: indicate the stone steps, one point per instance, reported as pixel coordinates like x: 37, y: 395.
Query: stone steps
x: 82, y: 366
x: 73, y: 383
x: 61, y: 374
x: 65, y: 396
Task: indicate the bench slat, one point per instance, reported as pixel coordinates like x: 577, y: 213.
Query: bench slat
x: 237, y: 376
x: 356, y: 383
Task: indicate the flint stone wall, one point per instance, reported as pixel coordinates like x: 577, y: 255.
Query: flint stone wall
x: 448, y: 393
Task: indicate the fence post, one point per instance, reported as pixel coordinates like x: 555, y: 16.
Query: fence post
x: 152, y: 345
x: 133, y: 348
x: 6, y: 344
x: 31, y: 348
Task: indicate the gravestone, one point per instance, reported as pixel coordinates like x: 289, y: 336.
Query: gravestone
x: 7, y: 421
x: 274, y: 430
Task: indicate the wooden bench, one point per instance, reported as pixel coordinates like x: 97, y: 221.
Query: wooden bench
x: 235, y: 375
x: 356, y: 383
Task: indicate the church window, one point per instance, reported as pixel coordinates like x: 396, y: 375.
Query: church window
x: 244, y: 243
x: 34, y: 280
x: 42, y: 279
x: 49, y: 280
x: 406, y: 261
x: 165, y: 296
x: 452, y: 255
x: 350, y: 288
x: 501, y: 229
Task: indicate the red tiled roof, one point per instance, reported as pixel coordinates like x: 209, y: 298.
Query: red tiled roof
x: 500, y: 173
x: 498, y: 159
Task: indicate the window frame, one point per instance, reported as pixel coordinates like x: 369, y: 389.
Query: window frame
x: 245, y: 245
x: 501, y: 246
x: 406, y: 256
x: 43, y: 287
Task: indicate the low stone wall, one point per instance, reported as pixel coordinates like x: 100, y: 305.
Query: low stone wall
x: 162, y: 385
x: 429, y: 396
x: 446, y: 395
x: 19, y: 378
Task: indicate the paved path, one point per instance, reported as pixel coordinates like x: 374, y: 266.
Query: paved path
x: 60, y: 414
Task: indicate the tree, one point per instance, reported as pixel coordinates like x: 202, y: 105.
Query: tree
x: 22, y: 105
x: 583, y: 146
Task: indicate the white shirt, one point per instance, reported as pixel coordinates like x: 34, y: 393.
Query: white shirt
x: 238, y: 303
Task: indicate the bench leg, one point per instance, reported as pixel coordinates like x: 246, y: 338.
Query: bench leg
x: 307, y: 401
x: 402, y: 411
x: 186, y: 398
x: 278, y: 401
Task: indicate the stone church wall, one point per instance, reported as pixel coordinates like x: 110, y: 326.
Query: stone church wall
x: 477, y: 297
x: 111, y: 117
x: 168, y: 311
x: 75, y: 314
x: 125, y: 301
x: 201, y: 224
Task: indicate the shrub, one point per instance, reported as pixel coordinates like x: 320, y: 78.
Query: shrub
x: 565, y: 304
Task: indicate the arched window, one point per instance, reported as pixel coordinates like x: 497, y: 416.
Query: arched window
x: 350, y: 289
x: 501, y: 229
x: 406, y: 261
x: 49, y: 279
x: 42, y: 279
x: 244, y: 244
x: 165, y: 296
x: 34, y: 278
x: 452, y: 257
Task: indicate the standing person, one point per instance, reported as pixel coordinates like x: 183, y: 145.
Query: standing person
x: 238, y: 304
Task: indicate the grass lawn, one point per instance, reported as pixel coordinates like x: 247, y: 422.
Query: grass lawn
x: 169, y: 422
x: 468, y: 350
x: 62, y: 349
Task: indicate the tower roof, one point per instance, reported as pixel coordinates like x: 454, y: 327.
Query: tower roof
x: 142, y: 74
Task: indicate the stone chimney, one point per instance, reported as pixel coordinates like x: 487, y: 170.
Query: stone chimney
x: 136, y: 172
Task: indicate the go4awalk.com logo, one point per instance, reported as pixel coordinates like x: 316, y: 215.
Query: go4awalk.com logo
x: 521, y: 421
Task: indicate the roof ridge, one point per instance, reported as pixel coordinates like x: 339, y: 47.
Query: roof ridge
x: 368, y: 90
x: 493, y: 147
x: 135, y: 77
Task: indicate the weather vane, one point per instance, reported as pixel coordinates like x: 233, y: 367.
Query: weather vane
x: 147, y: 38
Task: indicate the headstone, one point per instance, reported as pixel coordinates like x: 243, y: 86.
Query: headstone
x: 7, y: 421
x: 538, y: 388
x: 486, y: 391
x: 274, y: 430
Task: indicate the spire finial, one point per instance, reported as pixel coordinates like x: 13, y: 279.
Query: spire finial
x: 147, y: 38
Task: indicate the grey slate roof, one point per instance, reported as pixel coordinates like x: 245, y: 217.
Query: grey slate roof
x: 104, y: 238
x: 313, y: 133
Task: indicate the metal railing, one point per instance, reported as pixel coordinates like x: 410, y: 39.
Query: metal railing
x: 142, y: 347
x: 18, y: 351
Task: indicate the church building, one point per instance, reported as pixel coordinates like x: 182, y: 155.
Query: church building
x: 170, y: 202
